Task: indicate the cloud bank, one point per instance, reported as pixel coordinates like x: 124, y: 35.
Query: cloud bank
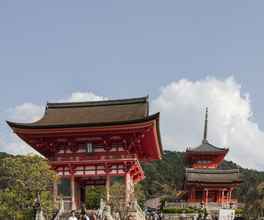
x: 182, y: 105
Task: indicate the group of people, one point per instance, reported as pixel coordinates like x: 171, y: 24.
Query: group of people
x: 83, y: 216
x: 153, y: 214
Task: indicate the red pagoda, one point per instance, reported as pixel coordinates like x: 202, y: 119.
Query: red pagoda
x: 87, y: 143
x: 204, y: 181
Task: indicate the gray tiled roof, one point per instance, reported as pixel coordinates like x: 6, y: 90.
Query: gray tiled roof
x: 206, y: 147
x: 212, y: 175
x: 92, y: 113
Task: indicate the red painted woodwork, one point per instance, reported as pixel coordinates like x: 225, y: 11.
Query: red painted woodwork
x: 114, y: 146
x: 218, y: 193
x: 205, y: 159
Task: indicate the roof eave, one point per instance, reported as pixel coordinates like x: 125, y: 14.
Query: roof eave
x: 14, y: 125
x: 223, y: 151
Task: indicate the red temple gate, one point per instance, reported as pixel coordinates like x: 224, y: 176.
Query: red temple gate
x: 87, y: 143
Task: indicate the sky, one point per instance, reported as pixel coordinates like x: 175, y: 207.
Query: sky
x: 185, y: 55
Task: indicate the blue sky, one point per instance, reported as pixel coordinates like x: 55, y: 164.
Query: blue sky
x: 51, y: 49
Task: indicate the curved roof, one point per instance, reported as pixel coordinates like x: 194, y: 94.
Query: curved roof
x: 206, y: 147
x: 91, y: 113
x: 124, y: 115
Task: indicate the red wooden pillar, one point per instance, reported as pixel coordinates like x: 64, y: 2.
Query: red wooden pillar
x: 191, y: 199
x: 73, y: 200
x: 219, y: 196
x: 193, y: 194
x: 203, y: 197
x: 206, y: 196
x: 127, y: 188
x: 222, y: 196
x: 190, y: 196
x: 78, y: 194
x: 107, y: 186
x: 230, y: 196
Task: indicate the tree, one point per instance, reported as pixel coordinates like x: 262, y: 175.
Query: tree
x: 254, y: 208
x: 93, y: 196
x: 117, y: 198
x: 22, y: 177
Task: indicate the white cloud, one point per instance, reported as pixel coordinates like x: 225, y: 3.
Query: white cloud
x: 84, y: 96
x: 29, y: 112
x: 26, y: 112
x: 182, y: 106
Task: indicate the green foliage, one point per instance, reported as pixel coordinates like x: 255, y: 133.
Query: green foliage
x: 239, y: 212
x: 117, y: 199
x: 93, y: 196
x: 163, y: 177
x: 254, y: 208
x: 22, y: 177
x: 4, y: 155
x: 140, y: 195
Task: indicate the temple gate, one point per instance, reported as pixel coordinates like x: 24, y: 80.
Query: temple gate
x: 87, y: 143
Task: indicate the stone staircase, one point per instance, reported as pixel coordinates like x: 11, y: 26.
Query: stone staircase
x: 104, y: 212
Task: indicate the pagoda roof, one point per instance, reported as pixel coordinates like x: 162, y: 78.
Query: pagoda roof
x: 95, y: 113
x: 193, y: 175
x: 206, y: 147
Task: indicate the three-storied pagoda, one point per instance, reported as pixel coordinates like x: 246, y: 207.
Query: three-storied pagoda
x: 204, y: 182
x: 88, y: 142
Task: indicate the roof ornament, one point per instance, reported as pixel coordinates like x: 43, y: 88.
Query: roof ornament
x: 205, y: 127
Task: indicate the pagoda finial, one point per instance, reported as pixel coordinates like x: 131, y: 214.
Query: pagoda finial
x: 205, y: 126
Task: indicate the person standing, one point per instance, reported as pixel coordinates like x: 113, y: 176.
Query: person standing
x: 72, y: 217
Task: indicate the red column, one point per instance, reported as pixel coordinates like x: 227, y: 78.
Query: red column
x: 222, y: 196
x: 107, y: 185
x: 77, y: 196
x: 73, y: 192
x: 203, y: 197
x: 193, y: 199
x: 206, y: 196
x: 190, y: 195
x: 230, y: 196
x: 127, y: 188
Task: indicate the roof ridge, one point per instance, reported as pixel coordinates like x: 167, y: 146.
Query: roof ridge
x: 98, y: 103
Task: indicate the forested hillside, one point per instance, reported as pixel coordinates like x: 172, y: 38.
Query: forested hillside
x: 167, y: 175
